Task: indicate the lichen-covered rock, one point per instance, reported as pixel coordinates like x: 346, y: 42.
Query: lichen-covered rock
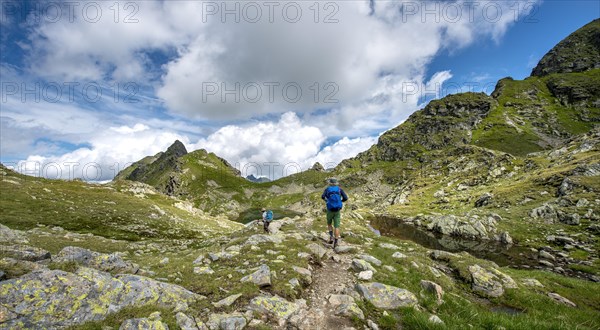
x: 8, y: 235
x: 316, y: 249
x: 185, y: 322
x: 304, y: 273
x: 105, y: 262
x: 360, y: 265
x: 203, y: 270
x: 276, y: 307
x: 489, y: 282
x: 235, y: 321
x: 261, y: 277
x: 370, y: 259
x: 24, y: 252
x: 260, y: 238
x: 227, y: 301
x: 54, y: 298
x: 349, y: 310
x: 143, y: 323
x: 386, y: 296
x: 151, y: 322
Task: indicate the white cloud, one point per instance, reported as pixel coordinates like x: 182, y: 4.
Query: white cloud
x: 372, y: 59
x: 110, y: 151
x: 276, y: 149
x: 345, y: 148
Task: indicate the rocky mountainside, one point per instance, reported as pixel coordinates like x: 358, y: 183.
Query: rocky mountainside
x: 518, y: 171
x: 579, y: 52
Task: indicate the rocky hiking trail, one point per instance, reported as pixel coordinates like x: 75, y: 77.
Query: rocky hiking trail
x: 330, y: 279
x: 287, y: 279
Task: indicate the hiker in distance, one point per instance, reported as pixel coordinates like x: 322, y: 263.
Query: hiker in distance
x: 267, y: 217
x: 334, y: 197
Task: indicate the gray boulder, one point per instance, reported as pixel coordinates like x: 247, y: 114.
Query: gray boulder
x: 276, y: 307
x: 234, y: 321
x: 105, y: 262
x: 386, y: 296
x: 24, y: 252
x: 370, y: 259
x: 360, y: 265
x: 261, y: 277
x: 316, y: 250
x: 54, y: 298
x: 484, y: 200
x: 489, y: 282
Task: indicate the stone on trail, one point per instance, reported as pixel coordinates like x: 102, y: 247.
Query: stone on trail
x: 349, y: 310
x: 386, y: 296
x: 317, y: 250
x: 345, y: 249
x: 360, y: 265
x: 365, y: 275
x: 338, y: 299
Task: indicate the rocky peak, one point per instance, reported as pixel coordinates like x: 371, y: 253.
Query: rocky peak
x: 318, y: 167
x: 578, y: 52
x: 177, y: 149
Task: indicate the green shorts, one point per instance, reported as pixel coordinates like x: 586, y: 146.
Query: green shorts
x: 333, y: 217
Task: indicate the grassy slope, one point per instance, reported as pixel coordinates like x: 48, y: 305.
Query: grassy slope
x: 111, y: 211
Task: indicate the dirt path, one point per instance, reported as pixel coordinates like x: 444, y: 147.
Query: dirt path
x: 330, y: 278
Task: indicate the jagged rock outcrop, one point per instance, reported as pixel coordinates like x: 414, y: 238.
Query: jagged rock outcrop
x: 580, y: 51
x: 441, y: 124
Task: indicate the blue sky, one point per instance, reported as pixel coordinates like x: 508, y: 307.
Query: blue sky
x: 92, y: 86
x: 519, y: 50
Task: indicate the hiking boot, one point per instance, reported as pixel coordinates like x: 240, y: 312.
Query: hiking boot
x: 330, y: 240
x: 335, y: 243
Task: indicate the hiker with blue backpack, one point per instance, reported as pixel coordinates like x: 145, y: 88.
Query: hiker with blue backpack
x: 334, y: 197
x: 267, y: 217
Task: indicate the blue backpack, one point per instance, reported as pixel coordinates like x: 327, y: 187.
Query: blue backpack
x: 334, y: 198
x: 269, y: 215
